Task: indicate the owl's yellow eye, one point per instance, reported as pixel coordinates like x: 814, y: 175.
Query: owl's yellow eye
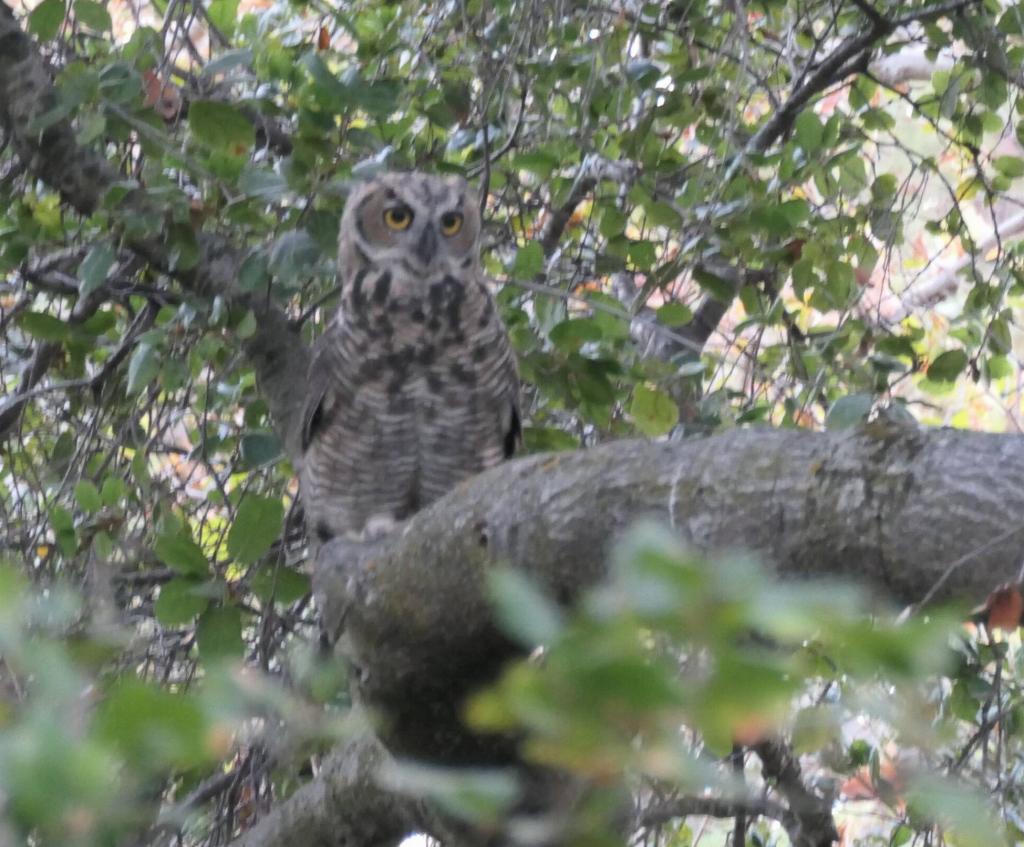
x: 451, y: 223
x: 398, y: 217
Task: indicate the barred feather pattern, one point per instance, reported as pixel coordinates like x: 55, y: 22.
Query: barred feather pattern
x: 412, y: 389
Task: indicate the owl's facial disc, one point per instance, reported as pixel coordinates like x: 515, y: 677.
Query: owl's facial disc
x: 428, y: 223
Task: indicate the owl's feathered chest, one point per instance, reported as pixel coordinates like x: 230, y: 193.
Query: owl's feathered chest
x: 410, y: 324
x: 413, y: 388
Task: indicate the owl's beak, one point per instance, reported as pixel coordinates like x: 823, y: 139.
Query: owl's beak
x: 426, y: 247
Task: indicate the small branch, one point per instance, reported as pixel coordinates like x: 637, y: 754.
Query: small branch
x: 712, y: 807
x: 871, y: 13
x: 677, y: 339
x: 909, y: 65
x: 591, y: 172
x: 809, y: 821
x: 931, y: 13
x: 510, y: 142
x: 39, y: 364
x: 849, y: 57
x: 945, y: 280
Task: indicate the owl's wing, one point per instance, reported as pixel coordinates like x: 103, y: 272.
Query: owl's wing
x: 508, y: 394
x: 514, y: 433
x: 319, y: 397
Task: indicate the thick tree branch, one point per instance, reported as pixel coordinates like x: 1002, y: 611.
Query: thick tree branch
x: 83, y: 177
x: 343, y: 806
x: 889, y: 506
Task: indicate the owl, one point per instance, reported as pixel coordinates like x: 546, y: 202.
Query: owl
x: 413, y: 387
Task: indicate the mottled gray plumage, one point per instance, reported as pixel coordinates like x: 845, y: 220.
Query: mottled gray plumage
x: 413, y: 388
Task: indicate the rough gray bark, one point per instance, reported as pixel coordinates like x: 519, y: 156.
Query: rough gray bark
x: 889, y: 505
x: 343, y: 806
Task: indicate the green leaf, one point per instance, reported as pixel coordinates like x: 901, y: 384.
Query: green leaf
x: 536, y: 162
x: 663, y: 214
x: 64, y: 530
x: 569, y: 335
x: 257, y: 525
x: 795, y: 211
x: 224, y: 14
x: 814, y: 727
x: 1011, y: 166
x: 254, y: 273
x: 809, y: 131
x: 538, y: 439
x: 521, y: 610
x: 279, y: 583
x: 246, y: 327
x: 674, y: 314
x: 613, y: 326
x: 142, y: 369
x: 529, y: 261
x: 182, y: 247
x: 329, y: 89
x: 44, y: 327
x: 653, y: 411
x: 94, y: 15
x: 849, y: 411
x: 642, y: 254
x: 99, y: 323
x: 179, y: 602
x: 613, y: 222
x: 901, y: 835
x: 178, y: 551
x: 262, y: 182
x: 260, y: 448
x: 479, y: 795
x: 44, y: 20
x: 956, y: 806
x: 998, y: 367
x: 92, y: 273
x: 721, y: 289
x: 228, y: 61
x: 88, y: 496
x: 221, y: 126
x: 152, y: 727
x: 219, y: 634
x: 112, y: 491
x: 948, y: 366
x: 293, y: 255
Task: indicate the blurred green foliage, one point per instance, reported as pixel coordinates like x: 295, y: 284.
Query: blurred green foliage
x: 148, y: 513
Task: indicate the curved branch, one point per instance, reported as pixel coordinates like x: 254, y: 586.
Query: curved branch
x: 808, y: 821
x: 343, y: 805
x: 888, y: 505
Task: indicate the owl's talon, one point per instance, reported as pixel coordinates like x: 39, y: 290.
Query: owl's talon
x: 377, y: 527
